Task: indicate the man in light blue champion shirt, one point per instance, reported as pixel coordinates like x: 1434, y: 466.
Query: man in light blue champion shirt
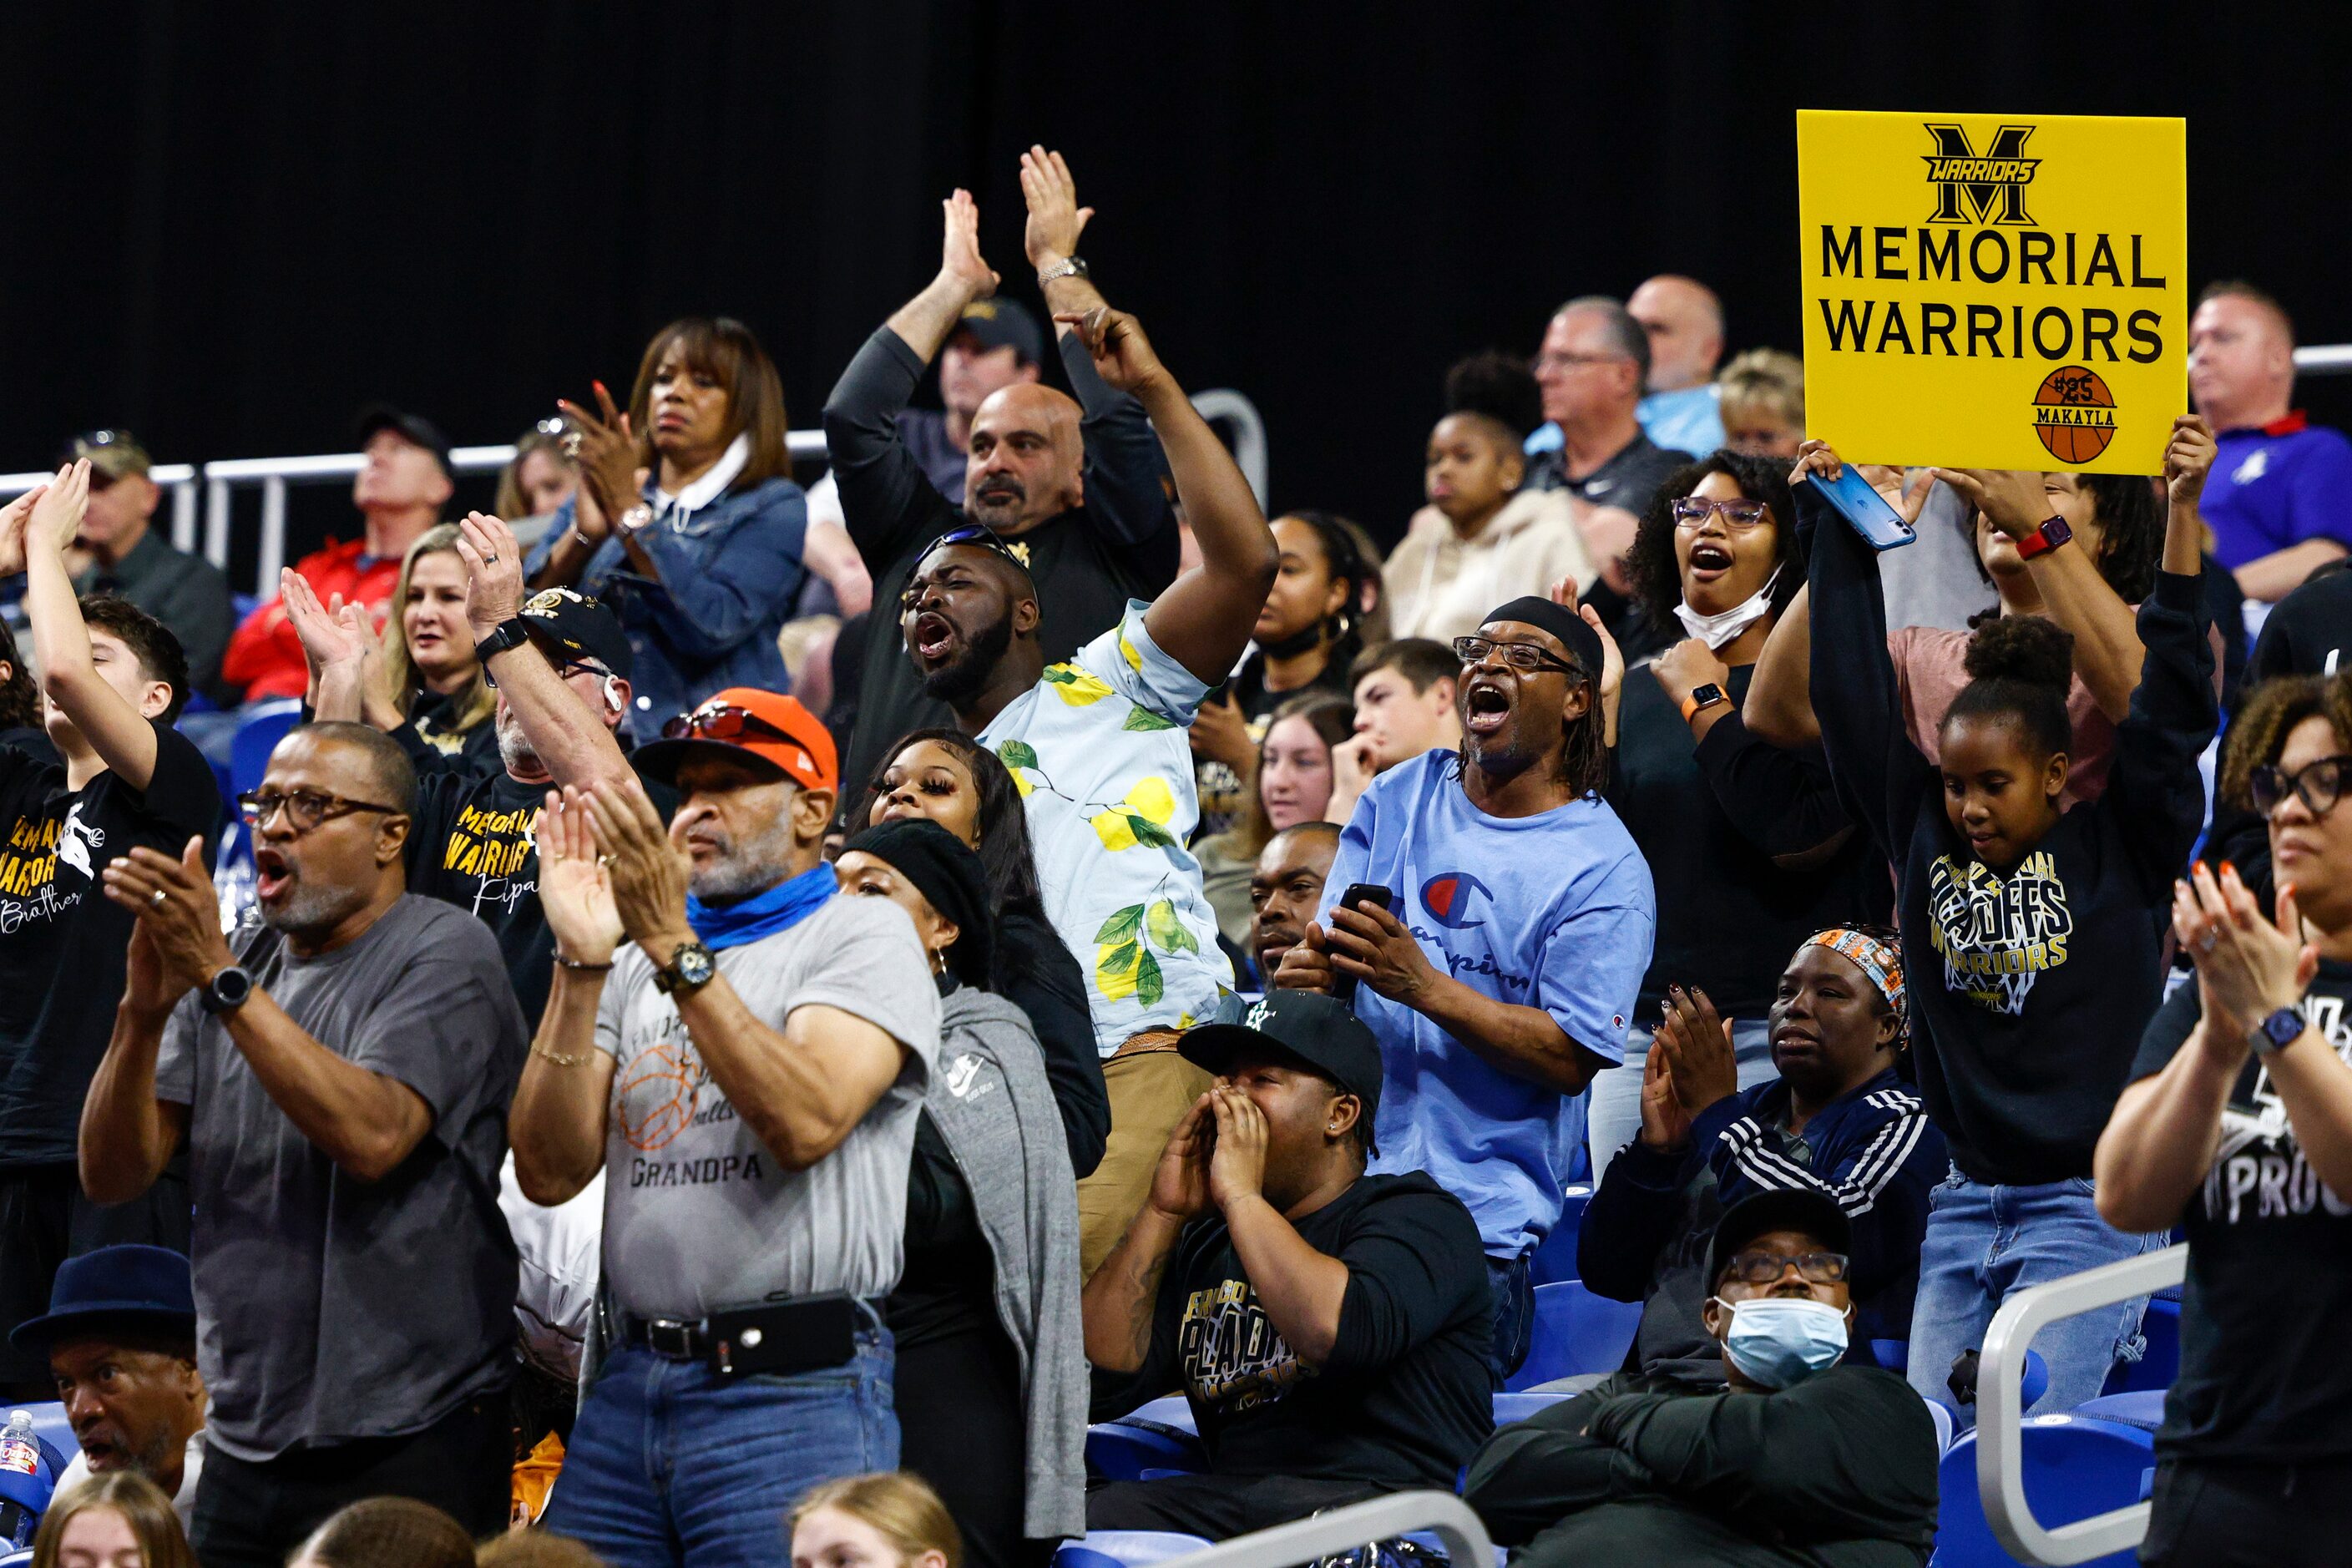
x: 1523, y: 920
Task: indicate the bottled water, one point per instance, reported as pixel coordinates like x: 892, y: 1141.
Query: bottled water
x: 20, y: 1453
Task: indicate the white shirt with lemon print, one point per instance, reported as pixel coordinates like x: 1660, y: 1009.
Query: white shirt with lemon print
x: 1100, y: 750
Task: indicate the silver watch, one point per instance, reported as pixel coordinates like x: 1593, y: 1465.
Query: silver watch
x: 635, y: 521
x: 1068, y: 267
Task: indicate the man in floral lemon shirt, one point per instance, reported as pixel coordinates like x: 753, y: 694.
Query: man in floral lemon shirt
x: 1099, y: 747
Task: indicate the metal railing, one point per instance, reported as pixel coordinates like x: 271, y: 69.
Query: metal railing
x: 220, y: 481
x: 1303, y: 1541
x: 2001, y: 1433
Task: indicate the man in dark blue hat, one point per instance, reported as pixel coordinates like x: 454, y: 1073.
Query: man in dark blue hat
x: 120, y: 1336
x: 1329, y: 1327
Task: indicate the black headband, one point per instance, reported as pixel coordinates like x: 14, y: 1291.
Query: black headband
x: 1582, y: 641
x: 946, y: 872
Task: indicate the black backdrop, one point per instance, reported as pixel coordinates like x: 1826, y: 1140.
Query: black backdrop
x: 229, y: 226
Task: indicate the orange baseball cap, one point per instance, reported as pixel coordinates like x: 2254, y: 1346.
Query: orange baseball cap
x: 771, y: 726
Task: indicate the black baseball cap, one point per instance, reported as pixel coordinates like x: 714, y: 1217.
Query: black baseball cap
x: 1308, y: 1024
x: 570, y: 627
x: 1004, y: 324
x: 1803, y: 1209
x: 412, y: 427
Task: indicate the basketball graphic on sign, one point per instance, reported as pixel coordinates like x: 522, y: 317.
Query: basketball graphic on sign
x: 2075, y: 414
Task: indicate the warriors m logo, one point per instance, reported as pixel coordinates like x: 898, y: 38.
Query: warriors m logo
x: 1981, y: 188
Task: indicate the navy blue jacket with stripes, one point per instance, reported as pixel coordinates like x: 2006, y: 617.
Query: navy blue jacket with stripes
x: 1646, y: 1233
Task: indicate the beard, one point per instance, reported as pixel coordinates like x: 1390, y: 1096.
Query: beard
x: 313, y: 907
x: 1001, y: 508
x: 515, y: 750
x: 740, y: 870
x: 960, y: 679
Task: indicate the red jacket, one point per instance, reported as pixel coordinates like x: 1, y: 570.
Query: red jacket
x: 265, y: 656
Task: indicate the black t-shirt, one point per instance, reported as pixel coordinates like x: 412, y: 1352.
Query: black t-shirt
x: 472, y: 845
x: 476, y: 749
x: 2264, y: 1376
x: 1404, y: 1397
x: 62, y: 941
x: 1728, y: 917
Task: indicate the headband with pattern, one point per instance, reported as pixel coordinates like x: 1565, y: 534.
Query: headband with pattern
x: 1877, y: 959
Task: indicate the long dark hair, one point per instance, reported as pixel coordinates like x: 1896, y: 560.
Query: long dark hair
x: 2131, y: 535
x: 1005, y: 857
x: 727, y: 351
x: 1649, y: 564
x: 1345, y: 563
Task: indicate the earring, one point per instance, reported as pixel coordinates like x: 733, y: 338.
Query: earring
x: 939, y: 961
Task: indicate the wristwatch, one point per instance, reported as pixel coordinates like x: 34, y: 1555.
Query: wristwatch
x: 226, y: 990
x: 1704, y: 695
x: 506, y: 636
x: 2277, y: 1032
x: 633, y: 522
x: 691, y: 968
x: 1068, y: 267
x: 2045, y: 538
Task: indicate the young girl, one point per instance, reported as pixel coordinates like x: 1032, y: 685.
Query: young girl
x: 2030, y: 928
x: 889, y: 1520
x: 1293, y: 784
x: 120, y: 1519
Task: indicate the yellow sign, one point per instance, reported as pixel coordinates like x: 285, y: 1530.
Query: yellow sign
x: 1994, y: 291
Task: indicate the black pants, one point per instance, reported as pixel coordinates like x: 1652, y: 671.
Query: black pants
x: 44, y: 1220
x: 252, y: 1515
x: 1215, y: 1507
x: 2261, y: 1516
x: 961, y: 1428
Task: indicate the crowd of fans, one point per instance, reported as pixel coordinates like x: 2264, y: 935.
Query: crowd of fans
x: 1160, y: 951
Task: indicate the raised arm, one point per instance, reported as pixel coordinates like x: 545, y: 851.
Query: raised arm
x: 557, y: 1123
x: 1778, y: 707
x: 116, y: 729
x: 612, y: 477
x: 574, y: 743
x: 363, y: 1120
x: 1302, y: 1289
x: 1203, y: 620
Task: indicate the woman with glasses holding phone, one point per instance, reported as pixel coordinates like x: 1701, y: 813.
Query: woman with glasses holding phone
x: 1746, y: 844
x: 2238, y: 1128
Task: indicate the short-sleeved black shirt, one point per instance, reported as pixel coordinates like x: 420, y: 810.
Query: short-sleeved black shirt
x: 2264, y: 1376
x: 62, y: 942
x: 1404, y: 1397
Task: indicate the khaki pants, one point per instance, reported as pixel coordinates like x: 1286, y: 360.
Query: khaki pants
x: 1149, y: 1092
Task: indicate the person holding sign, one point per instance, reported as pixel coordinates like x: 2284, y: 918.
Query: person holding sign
x: 2030, y: 928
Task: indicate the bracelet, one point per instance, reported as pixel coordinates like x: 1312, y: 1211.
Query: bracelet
x: 574, y: 964
x: 557, y: 1058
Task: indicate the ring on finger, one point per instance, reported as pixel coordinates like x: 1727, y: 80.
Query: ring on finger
x: 158, y: 898
x: 2205, y: 942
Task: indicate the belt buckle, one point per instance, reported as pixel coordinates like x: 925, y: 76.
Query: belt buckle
x: 668, y: 1337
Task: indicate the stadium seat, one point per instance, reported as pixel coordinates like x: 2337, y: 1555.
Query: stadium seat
x: 50, y: 1426
x: 2074, y: 1466
x: 1125, y: 1548
x: 1556, y: 1260
x: 1891, y: 1355
x: 2159, y: 1363
x: 1510, y: 1407
x: 1941, y: 1414
x: 1159, y: 1436
x: 264, y: 724
x: 2143, y: 1408
x: 1576, y: 1331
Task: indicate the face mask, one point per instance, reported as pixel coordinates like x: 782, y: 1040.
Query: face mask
x: 1719, y: 629
x: 1779, y: 1341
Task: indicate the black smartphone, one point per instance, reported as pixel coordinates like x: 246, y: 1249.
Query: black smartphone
x: 1850, y: 495
x: 1343, y: 986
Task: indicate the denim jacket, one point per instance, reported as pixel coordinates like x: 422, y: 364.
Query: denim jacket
x: 729, y: 575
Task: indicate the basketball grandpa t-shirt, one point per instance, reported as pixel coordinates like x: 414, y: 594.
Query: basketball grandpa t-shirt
x: 1553, y: 911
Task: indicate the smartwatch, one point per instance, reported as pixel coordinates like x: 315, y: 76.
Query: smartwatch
x: 226, y: 992
x: 1068, y: 267
x: 1706, y: 695
x: 506, y: 636
x: 2045, y: 538
x: 691, y: 968
x: 2277, y: 1032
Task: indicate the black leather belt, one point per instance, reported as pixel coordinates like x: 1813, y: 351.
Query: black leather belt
x: 808, y: 1335
x: 665, y: 1336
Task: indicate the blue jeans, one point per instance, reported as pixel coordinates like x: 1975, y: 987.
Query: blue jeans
x: 671, y: 1464
x: 1984, y: 1242
x: 1515, y: 1315
x: 1612, y: 1118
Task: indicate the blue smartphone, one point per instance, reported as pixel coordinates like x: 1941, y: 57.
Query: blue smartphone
x: 1880, y: 525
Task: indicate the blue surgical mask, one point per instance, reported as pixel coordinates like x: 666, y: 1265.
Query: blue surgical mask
x: 1780, y: 1341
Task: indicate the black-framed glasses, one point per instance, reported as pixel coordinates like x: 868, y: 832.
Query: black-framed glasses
x: 2320, y: 783
x: 1766, y: 1268
x: 305, y: 808
x: 568, y: 668
x: 1690, y: 512
x: 1525, y: 656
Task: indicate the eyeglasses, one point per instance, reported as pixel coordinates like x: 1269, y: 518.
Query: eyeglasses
x: 1572, y: 362
x: 1766, y: 1268
x: 576, y: 667
x: 2320, y: 783
x: 1521, y: 656
x: 305, y: 808
x: 1690, y: 512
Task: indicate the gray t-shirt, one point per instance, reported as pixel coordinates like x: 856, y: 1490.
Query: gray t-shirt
x: 328, y: 1307
x: 699, y: 1216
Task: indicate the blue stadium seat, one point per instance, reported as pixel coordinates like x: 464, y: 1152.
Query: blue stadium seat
x: 1159, y: 1436
x: 1510, y: 1407
x: 1556, y: 1260
x: 2143, y: 1408
x: 2159, y: 1363
x: 1576, y: 1331
x: 263, y: 725
x: 2074, y: 1466
x: 1125, y: 1549
x: 1941, y: 1414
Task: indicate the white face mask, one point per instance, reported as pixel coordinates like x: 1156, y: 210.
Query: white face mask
x: 1719, y: 629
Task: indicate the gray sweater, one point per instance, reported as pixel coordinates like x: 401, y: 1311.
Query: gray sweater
x: 994, y: 1109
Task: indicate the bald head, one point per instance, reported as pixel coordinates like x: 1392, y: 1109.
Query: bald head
x: 2241, y: 357
x: 1685, y: 324
x: 1026, y: 458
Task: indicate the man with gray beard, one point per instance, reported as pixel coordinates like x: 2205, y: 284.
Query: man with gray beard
x: 340, y: 1070
x: 560, y: 663
x: 742, y: 1050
